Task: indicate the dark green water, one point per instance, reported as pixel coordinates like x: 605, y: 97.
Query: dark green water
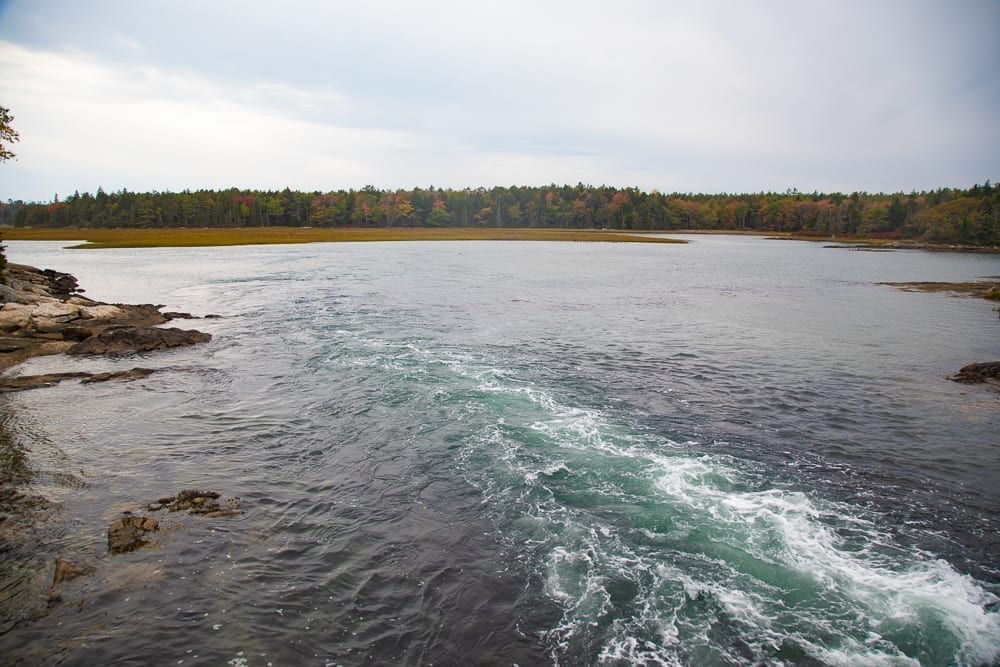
x: 731, y: 452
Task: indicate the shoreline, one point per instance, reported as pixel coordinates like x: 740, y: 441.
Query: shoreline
x: 43, y: 313
x: 177, y: 237
x: 229, y: 236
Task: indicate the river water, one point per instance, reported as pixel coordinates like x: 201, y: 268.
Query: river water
x: 727, y: 452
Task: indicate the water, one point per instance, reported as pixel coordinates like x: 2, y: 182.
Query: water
x: 729, y: 452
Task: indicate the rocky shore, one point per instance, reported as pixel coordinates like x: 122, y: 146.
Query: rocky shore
x: 43, y: 312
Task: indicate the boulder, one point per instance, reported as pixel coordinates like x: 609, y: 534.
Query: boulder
x: 124, y: 340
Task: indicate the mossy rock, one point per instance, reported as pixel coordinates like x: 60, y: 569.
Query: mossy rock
x: 993, y: 293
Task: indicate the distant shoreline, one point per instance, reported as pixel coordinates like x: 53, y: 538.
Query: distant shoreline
x: 177, y: 237
x: 230, y: 236
x: 848, y: 242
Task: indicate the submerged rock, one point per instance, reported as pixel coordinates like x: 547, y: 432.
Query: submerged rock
x: 197, y: 502
x: 36, y: 381
x: 129, y: 533
x: 985, y: 289
x: 124, y: 376
x: 66, y: 571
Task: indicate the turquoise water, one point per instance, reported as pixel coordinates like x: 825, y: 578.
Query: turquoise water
x: 731, y: 452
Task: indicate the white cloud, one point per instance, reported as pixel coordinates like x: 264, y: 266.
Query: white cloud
x: 703, y: 96
x: 144, y: 128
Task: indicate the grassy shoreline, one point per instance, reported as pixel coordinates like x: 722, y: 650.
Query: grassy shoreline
x: 193, y: 237
x: 178, y: 237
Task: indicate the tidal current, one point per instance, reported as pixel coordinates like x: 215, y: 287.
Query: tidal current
x: 736, y: 451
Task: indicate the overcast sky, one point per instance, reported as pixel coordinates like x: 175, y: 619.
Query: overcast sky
x: 677, y: 96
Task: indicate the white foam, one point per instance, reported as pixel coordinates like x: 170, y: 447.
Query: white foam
x: 731, y: 550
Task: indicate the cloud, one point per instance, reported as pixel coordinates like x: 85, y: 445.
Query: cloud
x: 706, y: 96
x: 144, y: 128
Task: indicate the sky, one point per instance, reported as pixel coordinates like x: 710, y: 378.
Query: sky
x: 708, y: 96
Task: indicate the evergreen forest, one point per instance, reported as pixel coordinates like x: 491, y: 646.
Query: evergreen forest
x: 949, y: 216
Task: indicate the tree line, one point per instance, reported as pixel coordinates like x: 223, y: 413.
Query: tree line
x: 946, y: 215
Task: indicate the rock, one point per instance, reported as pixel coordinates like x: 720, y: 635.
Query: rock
x: 66, y: 571
x: 978, y: 373
x: 43, y: 309
x: 56, y: 310
x: 127, y: 339
x: 10, y: 295
x: 49, y: 326
x: 14, y: 319
x: 129, y: 532
x: 171, y: 315
x: 101, y: 312
x: 76, y: 334
x: 60, y: 284
x: 204, y: 503
x: 993, y: 293
x: 125, y: 376
x: 23, y: 382
x: 36, y: 381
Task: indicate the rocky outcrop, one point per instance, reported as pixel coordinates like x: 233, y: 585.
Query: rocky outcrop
x: 42, y: 312
x: 986, y: 372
